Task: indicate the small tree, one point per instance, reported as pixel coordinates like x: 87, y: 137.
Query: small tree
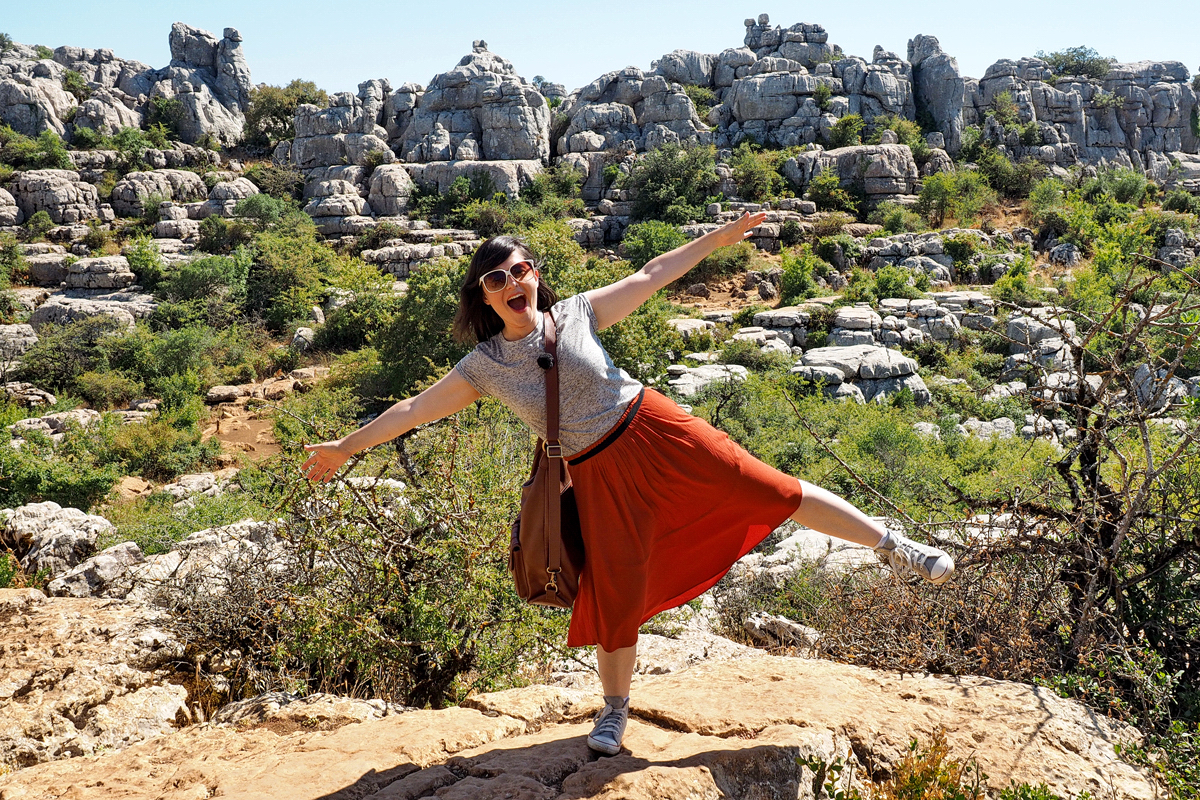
x: 271, y: 116
x: 673, y: 183
x: 1079, y: 60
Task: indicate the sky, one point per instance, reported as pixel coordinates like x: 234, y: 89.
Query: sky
x: 340, y: 44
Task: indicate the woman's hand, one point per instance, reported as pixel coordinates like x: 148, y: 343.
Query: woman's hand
x: 739, y: 230
x: 326, y: 459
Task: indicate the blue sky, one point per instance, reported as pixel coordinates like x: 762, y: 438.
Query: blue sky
x: 339, y: 44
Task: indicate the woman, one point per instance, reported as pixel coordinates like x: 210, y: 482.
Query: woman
x: 666, y: 502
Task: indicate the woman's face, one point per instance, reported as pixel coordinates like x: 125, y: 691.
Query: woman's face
x: 516, y: 303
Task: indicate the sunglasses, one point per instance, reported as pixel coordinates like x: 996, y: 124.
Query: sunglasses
x: 497, y: 279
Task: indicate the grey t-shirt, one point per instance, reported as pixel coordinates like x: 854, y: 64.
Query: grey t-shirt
x: 593, y: 392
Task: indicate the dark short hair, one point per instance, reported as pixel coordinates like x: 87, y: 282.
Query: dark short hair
x: 477, y: 320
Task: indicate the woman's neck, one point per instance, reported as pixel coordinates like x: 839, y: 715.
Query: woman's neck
x: 514, y: 333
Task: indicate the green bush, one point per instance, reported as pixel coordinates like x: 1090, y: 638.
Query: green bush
x: 37, y: 226
x: 559, y: 181
x: 281, y: 182
x: 961, y: 195
x: 1009, y: 179
x: 821, y: 96
x: 846, y: 132
x: 1181, y: 201
x: 896, y: 218
x: 108, y: 389
x: 722, y: 263
x: 673, y: 183
x: 47, y: 151
x: 417, y: 346
x: 750, y: 355
x: 43, y: 52
x: 1117, y: 183
x: 168, y: 112
x: 1079, y: 60
x: 203, y: 278
x: 825, y: 189
x: 961, y: 247
x: 553, y: 243
x: 842, y: 245
x: 13, y: 268
x: 263, y: 209
x: 289, y: 270
x: 68, y: 473
x: 271, y: 115
x: 798, y: 282
x: 791, y: 233
x: 75, y: 85
x: 1015, y: 287
x: 893, y: 281
x: 702, y: 98
x: 219, y: 235
x: 756, y: 172
x: 358, y: 323
x: 644, y: 241
x: 907, y: 132
x: 1046, y: 194
x: 1005, y: 109
x: 145, y: 262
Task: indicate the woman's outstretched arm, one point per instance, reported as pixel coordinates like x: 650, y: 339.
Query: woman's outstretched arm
x: 614, y: 302
x: 448, y: 396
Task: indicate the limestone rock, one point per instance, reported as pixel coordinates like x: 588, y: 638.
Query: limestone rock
x: 79, y: 677
x: 483, y: 102
x: 687, y: 381
x: 10, y: 212
x: 939, y: 88
x: 58, y: 192
x: 167, y: 184
x: 50, y: 537
x: 391, y: 188
x: 737, y: 728
x: 106, y: 272
x: 27, y: 395
x: 124, y: 306
x: 507, y: 176
x: 880, y: 170
x: 15, y: 340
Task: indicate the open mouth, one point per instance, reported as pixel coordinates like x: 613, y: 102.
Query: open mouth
x: 518, y: 303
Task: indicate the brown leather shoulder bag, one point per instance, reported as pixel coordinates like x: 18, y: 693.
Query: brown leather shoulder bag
x: 546, y: 552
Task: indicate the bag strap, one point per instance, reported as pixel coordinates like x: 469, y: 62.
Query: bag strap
x: 553, y: 451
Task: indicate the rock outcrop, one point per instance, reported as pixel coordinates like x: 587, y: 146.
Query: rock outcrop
x: 738, y: 728
x: 209, y: 77
x: 79, y: 677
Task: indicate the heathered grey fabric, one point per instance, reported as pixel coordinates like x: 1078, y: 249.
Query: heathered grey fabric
x: 593, y: 392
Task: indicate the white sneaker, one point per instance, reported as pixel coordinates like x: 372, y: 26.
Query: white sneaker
x: 610, y: 726
x: 908, y: 557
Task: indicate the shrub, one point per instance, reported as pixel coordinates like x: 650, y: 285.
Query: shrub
x: 1107, y: 100
x: 559, y: 181
x: 1007, y: 178
x: 1015, y: 287
x: 158, y: 136
x: 846, y: 132
x: 790, y: 233
x: 145, y: 261
x: 43, y: 52
x: 358, y: 323
x: 131, y: 145
x: 961, y: 247
x: 219, y: 235
x: 13, y: 268
x: 1117, y: 183
x: 271, y: 116
x: 1046, y: 194
x: 1005, y: 109
x: 644, y: 241
x: 281, y: 182
x: 721, y: 263
x: 825, y: 189
x: 750, y: 355
x: 839, y: 247
x: 290, y: 265
x: 417, y: 345
x: 38, y: 225
x: 168, y: 112
x: 798, y: 282
x: 907, y: 133
x: 893, y: 281
x: 755, y: 173
x: 263, y: 209
x: 1181, y: 201
x: 553, y: 242
x: 962, y: 195
x: 896, y: 218
x: 206, y: 278
x: 702, y: 98
x: 673, y: 183
x: 6, y: 43
x: 75, y: 85
x: 821, y: 96
x: 108, y: 389
x: 1079, y: 60
x: 21, y: 152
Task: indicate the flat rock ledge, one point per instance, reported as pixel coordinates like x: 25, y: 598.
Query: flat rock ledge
x: 732, y: 729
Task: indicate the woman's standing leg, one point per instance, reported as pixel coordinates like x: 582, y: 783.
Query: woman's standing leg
x: 616, y: 673
x: 822, y: 510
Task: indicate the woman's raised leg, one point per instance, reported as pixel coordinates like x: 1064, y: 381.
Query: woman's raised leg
x: 822, y: 510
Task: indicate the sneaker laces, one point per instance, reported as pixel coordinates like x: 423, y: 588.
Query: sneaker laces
x: 608, y: 725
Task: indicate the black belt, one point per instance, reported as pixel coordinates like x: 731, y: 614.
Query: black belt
x: 615, y: 433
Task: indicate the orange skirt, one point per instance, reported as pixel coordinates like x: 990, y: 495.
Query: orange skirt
x: 666, y: 508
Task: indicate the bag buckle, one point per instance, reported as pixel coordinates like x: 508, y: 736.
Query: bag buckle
x: 553, y: 450
x: 552, y: 584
